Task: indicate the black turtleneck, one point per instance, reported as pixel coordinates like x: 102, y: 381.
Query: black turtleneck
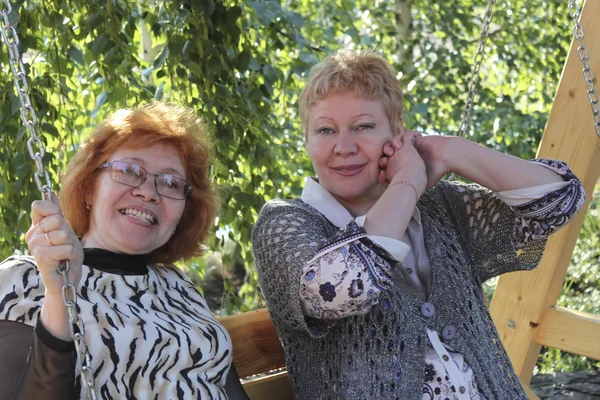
x: 113, y: 263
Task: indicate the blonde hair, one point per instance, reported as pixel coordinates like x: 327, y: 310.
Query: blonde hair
x: 138, y: 128
x: 365, y: 73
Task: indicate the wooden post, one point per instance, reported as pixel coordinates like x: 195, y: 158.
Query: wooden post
x: 521, y: 299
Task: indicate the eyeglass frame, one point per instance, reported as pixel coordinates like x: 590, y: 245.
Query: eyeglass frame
x: 109, y: 164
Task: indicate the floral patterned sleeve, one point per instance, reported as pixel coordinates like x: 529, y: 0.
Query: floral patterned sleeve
x: 539, y: 218
x: 345, y: 276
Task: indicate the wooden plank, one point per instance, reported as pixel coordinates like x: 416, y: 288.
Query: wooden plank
x: 522, y: 298
x: 573, y: 331
x: 256, y: 346
x: 275, y: 386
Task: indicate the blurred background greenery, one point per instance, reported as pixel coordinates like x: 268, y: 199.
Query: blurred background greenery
x: 240, y: 64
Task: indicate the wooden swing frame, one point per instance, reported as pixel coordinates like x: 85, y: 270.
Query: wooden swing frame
x: 524, y: 304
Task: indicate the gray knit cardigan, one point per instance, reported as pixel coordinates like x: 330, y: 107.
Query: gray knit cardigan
x: 469, y: 236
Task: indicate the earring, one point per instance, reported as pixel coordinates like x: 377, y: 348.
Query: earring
x: 87, y: 205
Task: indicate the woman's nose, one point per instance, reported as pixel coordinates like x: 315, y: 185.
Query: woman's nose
x: 345, y: 144
x: 147, y: 190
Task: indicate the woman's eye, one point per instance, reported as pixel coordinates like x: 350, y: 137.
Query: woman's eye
x: 324, y: 131
x: 364, y: 127
x: 169, y: 182
x: 131, y: 171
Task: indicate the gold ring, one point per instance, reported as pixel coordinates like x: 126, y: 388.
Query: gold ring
x: 48, y: 239
x: 41, y: 226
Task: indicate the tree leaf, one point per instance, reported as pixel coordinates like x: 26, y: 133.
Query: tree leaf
x: 76, y: 55
x: 309, y: 58
x: 94, y: 20
x: 269, y: 73
x: 158, y: 95
x: 100, y: 101
x: 98, y: 45
x: 267, y: 11
x: 158, y: 63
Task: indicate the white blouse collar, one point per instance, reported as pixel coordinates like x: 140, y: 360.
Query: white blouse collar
x: 321, y: 200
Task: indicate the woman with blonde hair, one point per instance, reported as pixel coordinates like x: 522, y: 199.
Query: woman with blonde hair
x: 136, y: 198
x: 373, y: 276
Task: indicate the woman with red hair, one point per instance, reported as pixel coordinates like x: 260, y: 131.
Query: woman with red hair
x: 135, y: 199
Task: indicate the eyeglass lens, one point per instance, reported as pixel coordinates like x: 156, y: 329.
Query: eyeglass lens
x: 134, y: 175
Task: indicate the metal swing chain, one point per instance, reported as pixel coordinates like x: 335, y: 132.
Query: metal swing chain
x: 466, y: 117
x: 36, y: 152
x: 584, y: 56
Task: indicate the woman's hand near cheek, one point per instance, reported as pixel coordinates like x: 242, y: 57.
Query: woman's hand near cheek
x: 433, y: 151
x: 388, y: 151
x: 406, y: 164
x: 400, y: 163
x: 51, y: 240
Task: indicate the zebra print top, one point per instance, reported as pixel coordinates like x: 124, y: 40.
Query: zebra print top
x: 150, y: 334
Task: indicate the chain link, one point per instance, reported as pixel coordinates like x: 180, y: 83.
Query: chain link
x: 584, y: 56
x: 466, y: 117
x: 37, y: 152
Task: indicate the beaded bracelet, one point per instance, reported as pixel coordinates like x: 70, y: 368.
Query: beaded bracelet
x: 404, y: 183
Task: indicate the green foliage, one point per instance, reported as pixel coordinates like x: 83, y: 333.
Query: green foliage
x: 240, y: 64
x: 554, y: 360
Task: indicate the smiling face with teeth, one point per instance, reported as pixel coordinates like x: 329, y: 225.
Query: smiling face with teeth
x: 345, y: 139
x: 138, y: 220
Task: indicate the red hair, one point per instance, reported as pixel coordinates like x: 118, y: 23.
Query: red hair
x: 138, y: 128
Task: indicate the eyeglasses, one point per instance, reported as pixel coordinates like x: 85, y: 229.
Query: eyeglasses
x: 134, y: 175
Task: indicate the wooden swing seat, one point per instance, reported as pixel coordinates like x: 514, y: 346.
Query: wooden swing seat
x: 256, y: 352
